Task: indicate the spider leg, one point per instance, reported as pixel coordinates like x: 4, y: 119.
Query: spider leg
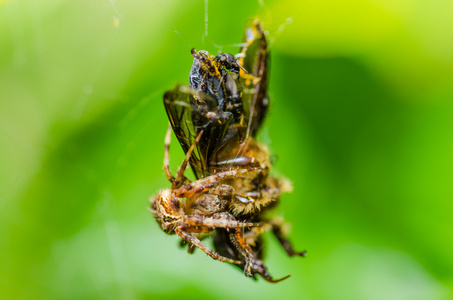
x: 182, y: 167
x: 191, y: 248
x: 190, y: 190
x: 196, y: 242
x: 167, y: 155
x: 194, y: 220
x: 204, y: 184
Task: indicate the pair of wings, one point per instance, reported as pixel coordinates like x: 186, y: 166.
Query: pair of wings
x: 221, y: 129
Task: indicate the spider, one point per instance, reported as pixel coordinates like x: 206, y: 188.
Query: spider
x: 202, y: 212
x: 205, y: 209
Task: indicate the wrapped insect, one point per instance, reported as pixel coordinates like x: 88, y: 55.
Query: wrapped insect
x: 215, y: 121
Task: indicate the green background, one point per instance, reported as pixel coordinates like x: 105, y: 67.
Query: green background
x: 361, y: 121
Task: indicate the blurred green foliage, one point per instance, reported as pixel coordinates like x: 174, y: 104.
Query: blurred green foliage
x: 361, y: 121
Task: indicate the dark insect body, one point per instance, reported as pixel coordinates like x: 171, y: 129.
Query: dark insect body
x: 215, y: 121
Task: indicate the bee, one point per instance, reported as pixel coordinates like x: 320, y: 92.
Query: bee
x: 215, y: 120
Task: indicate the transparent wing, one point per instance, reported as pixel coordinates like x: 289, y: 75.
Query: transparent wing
x: 191, y: 112
x: 254, y: 58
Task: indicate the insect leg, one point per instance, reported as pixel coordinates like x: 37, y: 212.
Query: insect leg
x: 252, y: 265
x: 234, y: 162
x: 237, y: 238
x: 196, y: 242
x: 261, y: 269
x: 278, y: 232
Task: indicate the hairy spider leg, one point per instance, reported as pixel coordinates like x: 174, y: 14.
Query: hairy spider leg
x: 180, y: 172
x: 191, y: 247
x: 196, y: 242
x: 197, y: 221
x: 167, y: 155
x: 193, y: 224
x: 204, y: 184
x: 183, y: 166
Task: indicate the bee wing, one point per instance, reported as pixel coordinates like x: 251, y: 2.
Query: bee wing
x: 254, y: 56
x: 190, y: 112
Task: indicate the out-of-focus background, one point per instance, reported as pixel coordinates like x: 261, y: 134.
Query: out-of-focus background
x: 361, y: 121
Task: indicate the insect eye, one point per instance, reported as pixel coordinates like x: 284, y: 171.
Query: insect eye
x: 220, y: 58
